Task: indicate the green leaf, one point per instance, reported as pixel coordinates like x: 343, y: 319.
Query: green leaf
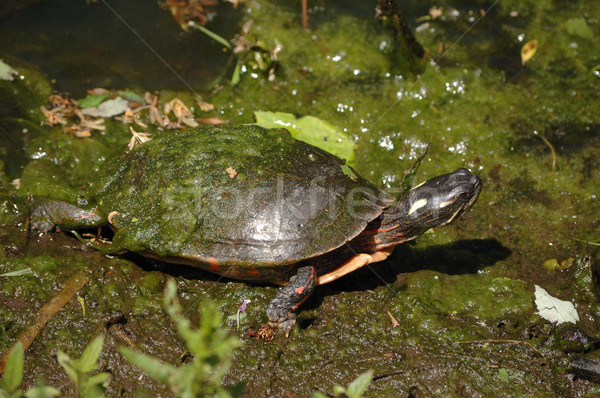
x: 92, y: 101
x: 94, y: 386
x: 13, y: 372
x: 68, y: 365
x: 503, y: 375
x: 170, y: 302
x: 92, y: 391
x: 15, y: 394
x: 578, y: 27
x: 132, y: 96
x: 235, y: 78
x: 6, y: 71
x: 89, y: 358
x: 100, y: 378
x: 312, y: 130
x: 42, y: 392
x: 108, y: 108
x: 318, y: 394
x: 360, y: 385
x: 155, y: 368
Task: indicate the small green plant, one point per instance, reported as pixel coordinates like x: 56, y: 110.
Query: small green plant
x: 88, y: 386
x: 211, y: 347
x: 354, y: 390
x: 13, y: 375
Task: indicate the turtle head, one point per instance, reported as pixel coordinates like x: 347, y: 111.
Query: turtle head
x: 442, y: 199
x: 433, y: 203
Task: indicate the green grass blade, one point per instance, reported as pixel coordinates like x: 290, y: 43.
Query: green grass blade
x: 214, y: 36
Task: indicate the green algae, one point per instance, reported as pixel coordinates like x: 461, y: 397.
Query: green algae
x: 482, y: 297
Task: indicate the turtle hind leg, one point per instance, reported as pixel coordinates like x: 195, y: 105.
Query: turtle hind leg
x: 281, y: 311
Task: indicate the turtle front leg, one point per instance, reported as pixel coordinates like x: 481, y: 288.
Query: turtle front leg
x: 281, y: 311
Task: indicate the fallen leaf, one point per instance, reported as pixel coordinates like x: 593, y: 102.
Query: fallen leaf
x: 436, y: 12
x: 98, y: 91
x: 528, y: 50
x: 137, y: 139
x: 394, y: 320
x: 108, y: 108
x: 53, y: 116
x: 6, y: 71
x: 92, y: 101
x: 312, y: 130
x: 231, y: 172
x: 211, y: 120
x: 111, y: 215
x: 181, y: 112
x: 204, y: 106
x: 131, y: 96
x: 578, y: 26
x: 553, y: 309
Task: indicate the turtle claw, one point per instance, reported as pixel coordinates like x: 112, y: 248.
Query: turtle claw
x: 285, y: 325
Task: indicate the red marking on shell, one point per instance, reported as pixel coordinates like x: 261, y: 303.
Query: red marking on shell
x: 253, y: 273
x: 213, y: 264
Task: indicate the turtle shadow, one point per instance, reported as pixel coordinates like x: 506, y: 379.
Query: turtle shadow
x: 457, y: 258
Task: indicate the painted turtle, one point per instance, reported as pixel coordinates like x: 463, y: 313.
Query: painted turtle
x: 255, y: 204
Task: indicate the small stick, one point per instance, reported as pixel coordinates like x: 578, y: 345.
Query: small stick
x: 549, y: 146
x: 305, y: 14
x: 517, y: 342
x: 48, y: 310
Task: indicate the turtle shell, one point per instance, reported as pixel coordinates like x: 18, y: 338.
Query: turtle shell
x: 245, y: 201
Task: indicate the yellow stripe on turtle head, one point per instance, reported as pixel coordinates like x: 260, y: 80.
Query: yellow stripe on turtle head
x: 417, y: 205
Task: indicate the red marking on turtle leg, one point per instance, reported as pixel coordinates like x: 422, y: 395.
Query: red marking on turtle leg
x: 281, y: 311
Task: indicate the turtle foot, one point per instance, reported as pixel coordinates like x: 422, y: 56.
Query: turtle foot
x: 281, y: 311
x: 285, y: 325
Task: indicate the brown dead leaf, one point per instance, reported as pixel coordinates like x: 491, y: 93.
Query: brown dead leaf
x: 137, y: 139
x: 231, y: 172
x: 53, y: 116
x: 211, y: 120
x: 111, y: 215
x: 436, y: 12
x: 394, y: 320
x: 97, y: 91
x: 181, y: 111
x: 204, y: 106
